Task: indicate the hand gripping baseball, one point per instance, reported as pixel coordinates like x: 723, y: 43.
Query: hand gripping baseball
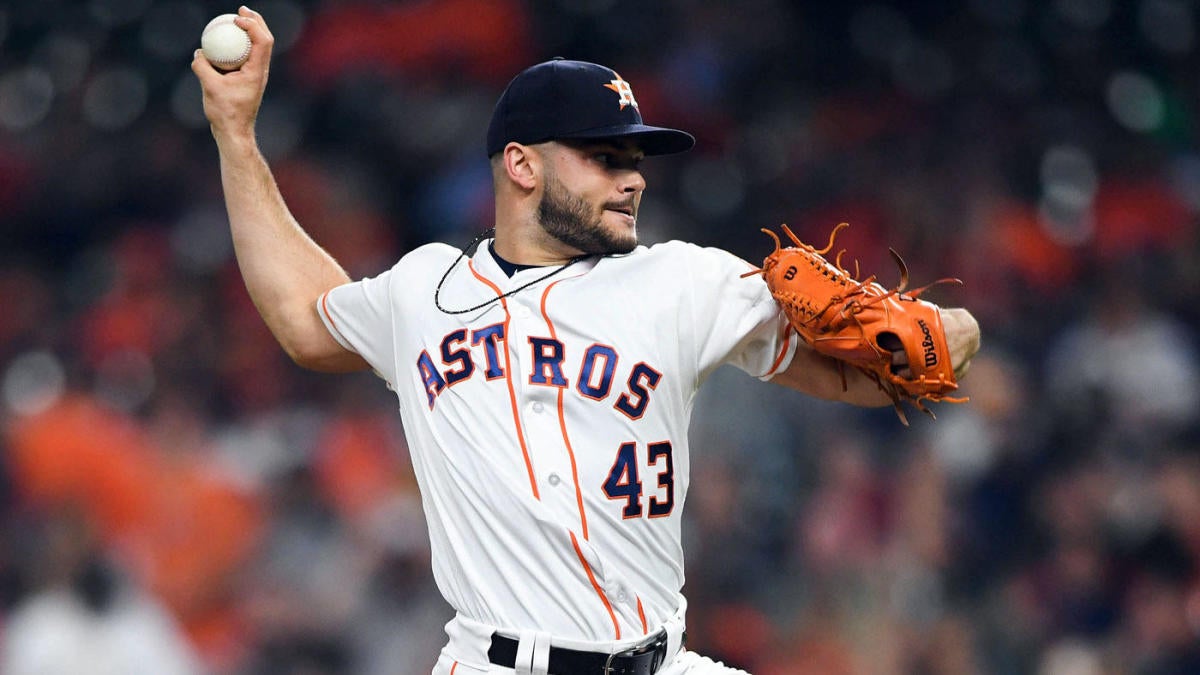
x: 232, y: 99
x: 893, y: 337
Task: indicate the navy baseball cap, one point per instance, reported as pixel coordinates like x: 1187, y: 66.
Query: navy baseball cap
x: 562, y: 99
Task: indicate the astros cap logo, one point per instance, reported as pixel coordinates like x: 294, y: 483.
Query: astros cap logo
x: 624, y: 90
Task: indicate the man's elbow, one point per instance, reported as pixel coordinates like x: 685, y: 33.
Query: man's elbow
x: 324, y: 357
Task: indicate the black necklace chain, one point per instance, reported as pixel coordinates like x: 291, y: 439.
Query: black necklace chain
x: 486, y: 233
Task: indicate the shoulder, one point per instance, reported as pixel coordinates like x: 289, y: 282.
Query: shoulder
x: 429, y: 254
x: 676, y: 249
x: 423, y: 265
x: 682, y: 266
x: 422, y: 262
x: 683, y: 254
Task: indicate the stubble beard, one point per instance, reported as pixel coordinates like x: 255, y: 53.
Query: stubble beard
x: 571, y: 220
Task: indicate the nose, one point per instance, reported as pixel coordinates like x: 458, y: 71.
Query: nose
x: 633, y: 182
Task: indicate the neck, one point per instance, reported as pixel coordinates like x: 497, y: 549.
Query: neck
x: 531, y: 246
x: 510, y: 268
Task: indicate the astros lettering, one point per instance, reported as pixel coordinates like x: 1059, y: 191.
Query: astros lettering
x: 593, y: 378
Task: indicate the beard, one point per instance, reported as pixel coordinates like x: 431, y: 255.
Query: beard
x: 571, y: 220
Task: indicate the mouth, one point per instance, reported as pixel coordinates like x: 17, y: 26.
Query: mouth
x: 625, y: 210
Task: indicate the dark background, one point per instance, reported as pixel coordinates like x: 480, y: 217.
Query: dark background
x: 168, y: 473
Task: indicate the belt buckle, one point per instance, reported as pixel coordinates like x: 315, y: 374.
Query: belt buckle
x: 655, y: 647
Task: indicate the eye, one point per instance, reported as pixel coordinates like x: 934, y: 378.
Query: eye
x: 613, y: 160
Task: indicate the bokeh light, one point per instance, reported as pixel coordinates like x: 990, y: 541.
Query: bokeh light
x: 33, y: 382
x: 1043, y: 152
x: 26, y: 95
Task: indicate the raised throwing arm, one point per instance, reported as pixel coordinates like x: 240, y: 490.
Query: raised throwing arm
x: 285, y: 271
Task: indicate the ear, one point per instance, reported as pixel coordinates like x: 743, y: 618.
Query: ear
x: 523, y: 165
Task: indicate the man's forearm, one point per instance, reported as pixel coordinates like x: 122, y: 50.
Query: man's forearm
x: 822, y: 376
x: 285, y: 271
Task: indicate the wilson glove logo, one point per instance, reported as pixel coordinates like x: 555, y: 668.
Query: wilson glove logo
x: 927, y: 345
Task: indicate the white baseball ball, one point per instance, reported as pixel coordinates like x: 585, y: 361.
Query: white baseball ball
x: 225, y: 45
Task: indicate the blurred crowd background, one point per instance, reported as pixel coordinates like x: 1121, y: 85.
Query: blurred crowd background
x: 177, y: 497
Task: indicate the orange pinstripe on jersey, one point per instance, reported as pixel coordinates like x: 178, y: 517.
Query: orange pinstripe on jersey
x: 787, y: 341
x: 642, y: 616
x: 599, y: 591
x: 325, y: 309
x: 453, y: 668
x: 562, y: 423
x: 512, y: 394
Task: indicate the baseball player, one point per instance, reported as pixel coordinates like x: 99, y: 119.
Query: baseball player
x: 545, y: 380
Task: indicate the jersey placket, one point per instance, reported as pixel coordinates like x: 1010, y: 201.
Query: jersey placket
x: 540, y: 376
x: 537, y: 380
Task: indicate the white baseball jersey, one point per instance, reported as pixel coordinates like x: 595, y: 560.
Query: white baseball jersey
x: 548, y: 430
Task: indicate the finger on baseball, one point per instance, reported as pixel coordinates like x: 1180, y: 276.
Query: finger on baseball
x: 261, y: 41
x: 202, y: 68
x: 246, y: 11
x: 247, y: 16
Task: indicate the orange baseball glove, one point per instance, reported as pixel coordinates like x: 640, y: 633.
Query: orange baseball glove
x: 861, y: 323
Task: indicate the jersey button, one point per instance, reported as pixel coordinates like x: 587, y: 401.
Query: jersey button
x: 538, y: 407
x: 554, y: 479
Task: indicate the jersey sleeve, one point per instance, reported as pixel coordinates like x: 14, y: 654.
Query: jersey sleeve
x: 360, y: 317
x: 735, y: 319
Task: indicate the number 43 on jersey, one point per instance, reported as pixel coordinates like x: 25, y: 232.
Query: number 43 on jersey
x: 624, y: 480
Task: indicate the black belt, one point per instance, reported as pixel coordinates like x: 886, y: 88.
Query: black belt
x: 642, y: 660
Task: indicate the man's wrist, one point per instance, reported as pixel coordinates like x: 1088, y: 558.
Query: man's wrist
x: 237, y: 142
